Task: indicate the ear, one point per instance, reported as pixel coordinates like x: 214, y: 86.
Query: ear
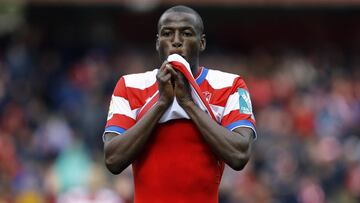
x: 202, y: 42
x: 157, y: 42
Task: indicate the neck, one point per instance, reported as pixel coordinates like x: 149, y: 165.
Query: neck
x: 195, y: 68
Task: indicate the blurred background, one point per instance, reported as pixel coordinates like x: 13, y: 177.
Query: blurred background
x: 60, y: 60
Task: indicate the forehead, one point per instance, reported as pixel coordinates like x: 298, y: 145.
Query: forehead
x: 178, y: 20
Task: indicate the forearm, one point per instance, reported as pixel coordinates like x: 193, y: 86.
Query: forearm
x: 121, y: 151
x: 232, y: 147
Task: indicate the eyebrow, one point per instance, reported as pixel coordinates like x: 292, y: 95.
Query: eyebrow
x: 180, y: 27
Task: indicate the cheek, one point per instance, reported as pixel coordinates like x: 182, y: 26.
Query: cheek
x: 163, y: 45
x: 193, y: 47
x: 163, y: 49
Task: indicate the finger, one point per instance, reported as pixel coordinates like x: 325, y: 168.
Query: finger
x: 172, y: 71
x: 163, y: 78
x: 181, y: 77
x: 166, y: 69
x: 163, y: 65
x: 166, y: 78
x: 163, y: 70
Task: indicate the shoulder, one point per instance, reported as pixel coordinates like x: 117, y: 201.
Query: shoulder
x: 220, y: 79
x: 139, y: 80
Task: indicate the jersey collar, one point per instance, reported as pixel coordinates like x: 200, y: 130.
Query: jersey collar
x: 201, y: 75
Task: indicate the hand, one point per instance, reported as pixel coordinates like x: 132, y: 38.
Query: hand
x: 182, y: 89
x: 164, y: 79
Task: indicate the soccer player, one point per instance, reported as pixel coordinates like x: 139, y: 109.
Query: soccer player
x: 176, y: 148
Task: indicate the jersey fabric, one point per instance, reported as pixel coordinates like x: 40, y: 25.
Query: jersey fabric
x: 177, y: 165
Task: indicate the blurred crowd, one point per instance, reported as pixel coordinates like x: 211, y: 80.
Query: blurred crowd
x: 53, y: 108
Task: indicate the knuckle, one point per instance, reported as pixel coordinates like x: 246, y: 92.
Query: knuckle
x: 168, y: 66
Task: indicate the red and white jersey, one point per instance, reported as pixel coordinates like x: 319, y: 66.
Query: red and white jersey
x: 177, y: 165
x: 226, y: 93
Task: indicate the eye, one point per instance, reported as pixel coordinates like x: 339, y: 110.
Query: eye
x: 166, y: 33
x: 187, y: 33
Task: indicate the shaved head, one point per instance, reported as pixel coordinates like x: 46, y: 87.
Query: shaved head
x: 180, y: 31
x: 184, y: 9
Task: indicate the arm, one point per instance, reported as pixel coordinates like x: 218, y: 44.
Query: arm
x: 121, y: 151
x: 233, y: 147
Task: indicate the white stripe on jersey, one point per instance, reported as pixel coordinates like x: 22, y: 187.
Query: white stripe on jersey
x: 232, y: 103
x: 175, y: 111
x: 218, y: 79
x: 141, y: 80
x: 218, y: 111
x: 121, y: 106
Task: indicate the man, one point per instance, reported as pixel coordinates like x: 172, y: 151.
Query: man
x: 176, y: 149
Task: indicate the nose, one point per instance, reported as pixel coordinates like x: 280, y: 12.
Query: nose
x: 177, y: 41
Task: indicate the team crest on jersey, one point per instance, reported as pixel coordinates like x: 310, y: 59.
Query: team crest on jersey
x: 207, y: 96
x: 111, y: 110
x: 244, y: 101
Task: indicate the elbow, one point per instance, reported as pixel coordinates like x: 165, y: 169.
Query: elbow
x: 113, y: 166
x: 238, y: 162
